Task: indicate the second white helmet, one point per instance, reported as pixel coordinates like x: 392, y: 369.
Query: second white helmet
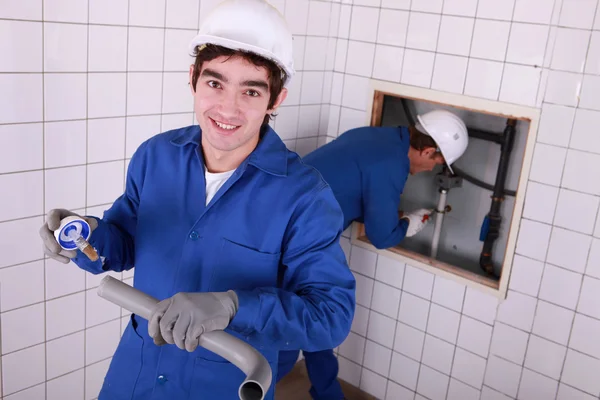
x: 249, y: 25
x: 449, y: 132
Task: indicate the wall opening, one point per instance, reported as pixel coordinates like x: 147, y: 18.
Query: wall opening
x: 479, y: 206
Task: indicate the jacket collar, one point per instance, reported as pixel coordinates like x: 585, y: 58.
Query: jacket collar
x: 270, y: 155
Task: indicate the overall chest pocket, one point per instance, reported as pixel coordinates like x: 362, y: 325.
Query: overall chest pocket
x: 242, y: 267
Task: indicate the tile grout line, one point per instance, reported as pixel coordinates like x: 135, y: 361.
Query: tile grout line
x: 44, y: 263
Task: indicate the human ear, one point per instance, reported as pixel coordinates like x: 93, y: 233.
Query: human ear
x: 282, y: 95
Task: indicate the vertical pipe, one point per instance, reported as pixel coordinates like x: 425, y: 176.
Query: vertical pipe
x: 439, y: 217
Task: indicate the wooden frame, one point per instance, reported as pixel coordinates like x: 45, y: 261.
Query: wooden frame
x: 377, y: 92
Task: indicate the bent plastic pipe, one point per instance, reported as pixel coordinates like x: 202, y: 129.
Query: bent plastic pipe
x: 242, y: 355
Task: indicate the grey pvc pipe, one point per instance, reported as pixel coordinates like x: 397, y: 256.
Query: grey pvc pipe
x: 439, y: 217
x: 241, y: 354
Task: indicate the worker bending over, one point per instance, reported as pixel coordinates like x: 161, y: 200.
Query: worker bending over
x: 224, y: 225
x: 367, y: 168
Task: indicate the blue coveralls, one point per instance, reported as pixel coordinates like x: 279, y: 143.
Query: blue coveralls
x: 367, y: 169
x: 271, y: 233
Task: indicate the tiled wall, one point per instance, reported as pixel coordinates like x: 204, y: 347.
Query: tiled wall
x: 83, y: 82
x: 421, y: 336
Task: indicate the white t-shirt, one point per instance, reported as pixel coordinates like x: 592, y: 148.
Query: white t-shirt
x: 214, y: 181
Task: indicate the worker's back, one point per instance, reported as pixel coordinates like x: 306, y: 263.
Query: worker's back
x: 362, y: 159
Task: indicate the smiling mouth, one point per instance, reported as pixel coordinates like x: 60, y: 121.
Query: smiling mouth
x: 224, y: 126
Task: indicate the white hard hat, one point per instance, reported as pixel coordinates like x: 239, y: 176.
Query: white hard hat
x: 448, y: 131
x: 251, y: 25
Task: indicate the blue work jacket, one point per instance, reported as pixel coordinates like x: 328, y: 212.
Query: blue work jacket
x: 271, y: 233
x: 367, y: 169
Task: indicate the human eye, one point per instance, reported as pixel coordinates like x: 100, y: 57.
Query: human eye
x: 214, y: 84
x: 252, y: 93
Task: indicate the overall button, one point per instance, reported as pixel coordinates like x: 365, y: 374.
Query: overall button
x: 162, y: 378
x: 194, y: 235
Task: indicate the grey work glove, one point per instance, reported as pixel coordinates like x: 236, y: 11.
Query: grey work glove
x: 51, y: 247
x: 181, y: 319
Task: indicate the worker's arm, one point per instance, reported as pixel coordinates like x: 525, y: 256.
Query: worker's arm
x: 382, y: 188
x: 113, y: 239
x: 314, y: 308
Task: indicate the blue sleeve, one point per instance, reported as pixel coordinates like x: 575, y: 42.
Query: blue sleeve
x: 113, y: 239
x: 314, y: 308
x: 382, y: 188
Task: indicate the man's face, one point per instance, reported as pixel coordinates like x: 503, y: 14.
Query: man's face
x: 426, y: 160
x: 230, y: 102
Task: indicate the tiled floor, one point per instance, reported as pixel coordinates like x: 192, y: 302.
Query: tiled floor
x: 295, y: 386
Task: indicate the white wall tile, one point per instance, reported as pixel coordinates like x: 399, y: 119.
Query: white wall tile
x: 363, y: 24
x: 65, y: 315
x: 360, y: 58
x: 432, y: 384
x: 345, y: 19
x: 480, y: 305
x: 144, y: 93
x: 449, y: 73
x: 372, y: 383
x: 177, y: 57
x: 404, y: 371
x: 490, y: 39
x: 533, y: 239
x: 438, y: 354
x: 503, y: 376
x: 286, y: 122
x: 555, y: 124
x: 106, y: 139
x: 443, y: 323
x: 30, y: 37
x: 113, y: 12
x: 577, y: 166
x: 298, y: 51
x: 540, y: 202
x: 533, y: 11
x: 353, y: 348
x: 23, y: 369
x: 414, y: 311
x: 17, y: 235
x: 570, y: 50
x: 15, y: 107
x: 94, y: 377
x: 99, y: 310
x: 388, y: 63
x: 67, y: 387
x: 393, y: 27
x: 147, y: 12
x: 536, y: 386
x: 517, y: 310
x: 101, y: 341
x: 459, y: 391
x: 520, y: 84
x: 351, y: 119
x: 363, y: 261
x: 592, y: 65
x: 319, y: 18
x: 18, y: 332
x: 66, y: 10
x: 578, y: 13
x: 308, y: 125
x: 377, y: 358
x: 500, y: 10
x: 349, y: 371
x: 311, y: 83
x: 560, y: 287
x: 65, y: 96
x: 417, y: 68
x: 409, y: 341
x: 527, y: 44
x: 563, y: 88
x: 386, y: 299
x: 34, y: 392
x: 491, y: 394
x: 364, y: 290
x: 585, y: 329
x: 483, y: 79
x: 569, y: 249
x: 22, y: 9
x: 145, y: 49
x: 526, y: 275
x: 589, y: 91
x: 448, y: 293
x: 553, y: 322
x: 418, y: 282
x: 176, y: 94
x: 65, y: 143
x: 108, y: 182
x: 568, y: 393
x: 545, y: 357
x: 474, y: 336
x: 296, y: 15
x: 466, y: 8
x: 509, y: 343
x: 381, y: 329
x: 316, y: 54
x: 583, y: 136
x: 21, y: 147
x: 108, y: 48
x: 354, y: 94
x: 182, y: 14
x: 65, y: 47
x: 63, y: 279
x: 22, y: 285
x: 25, y: 186
x: 579, y: 371
x: 65, y: 355
x: 468, y: 367
x: 455, y: 35
x: 361, y: 320
x: 547, y: 164
x: 422, y: 31
x: 593, y: 264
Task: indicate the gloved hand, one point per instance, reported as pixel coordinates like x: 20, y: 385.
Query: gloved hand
x: 417, y: 220
x: 181, y: 319
x: 51, y: 247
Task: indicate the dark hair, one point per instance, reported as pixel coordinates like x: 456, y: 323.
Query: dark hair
x: 276, y: 75
x: 420, y: 141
